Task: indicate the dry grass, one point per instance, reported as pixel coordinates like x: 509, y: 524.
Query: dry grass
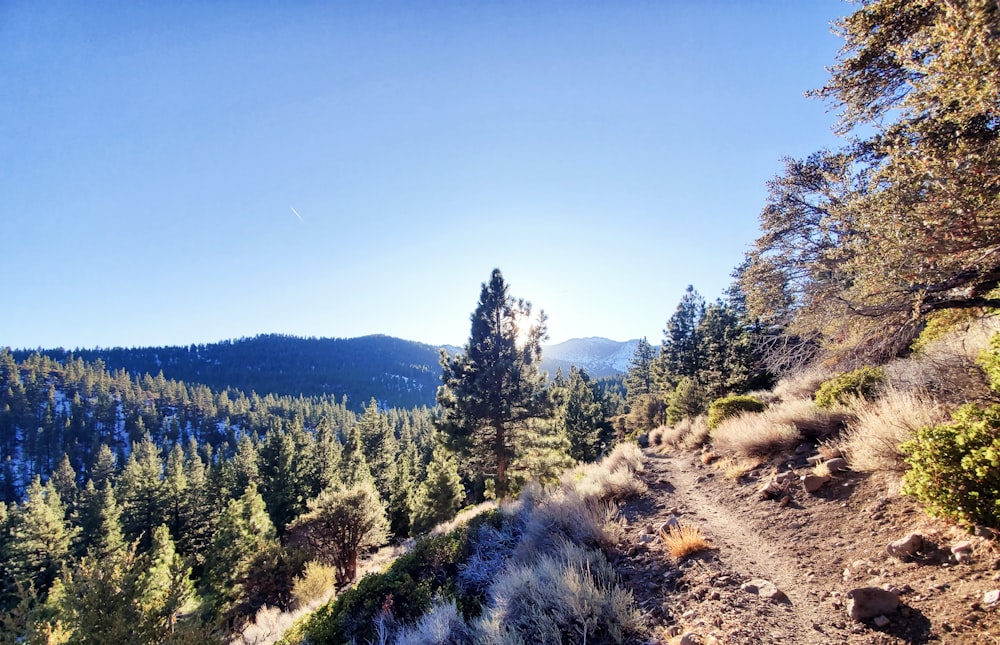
x: 709, y: 456
x: 811, y: 421
x: 733, y: 468
x: 656, y: 436
x: 757, y: 435
x: 822, y: 469
x: 684, y: 540
x: 697, y: 434
x: 871, y: 442
x: 945, y: 369
x: 801, y: 384
x: 611, y: 479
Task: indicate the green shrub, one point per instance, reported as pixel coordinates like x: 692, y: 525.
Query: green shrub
x: 409, y: 587
x: 861, y: 383
x: 955, y: 467
x: 989, y: 360
x: 730, y: 406
x: 686, y: 401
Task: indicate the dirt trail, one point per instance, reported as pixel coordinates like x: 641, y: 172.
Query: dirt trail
x: 813, y: 549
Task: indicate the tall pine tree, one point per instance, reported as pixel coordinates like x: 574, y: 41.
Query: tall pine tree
x: 493, y: 390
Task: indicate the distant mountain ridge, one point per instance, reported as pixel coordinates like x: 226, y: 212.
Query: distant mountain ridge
x: 396, y: 372
x: 600, y: 357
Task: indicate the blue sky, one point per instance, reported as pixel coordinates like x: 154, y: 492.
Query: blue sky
x: 603, y: 155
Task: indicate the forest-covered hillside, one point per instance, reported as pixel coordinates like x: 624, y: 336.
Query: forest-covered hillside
x: 396, y: 372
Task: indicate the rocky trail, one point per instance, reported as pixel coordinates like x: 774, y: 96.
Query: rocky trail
x: 789, y: 569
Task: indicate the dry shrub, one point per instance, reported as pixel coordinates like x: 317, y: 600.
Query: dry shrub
x: 268, y: 626
x: 441, y: 625
x: 463, y: 518
x: 871, y: 442
x: 697, y: 435
x: 822, y: 469
x: 625, y: 455
x: 806, y: 417
x: 779, y: 428
x: 314, y: 585
x: 946, y: 368
x: 565, y: 516
x: 673, y: 435
x: 801, y: 384
x: 709, y: 456
x: 569, y: 595
x: 656, y: 436
x: 683, y: 540
x: 612, y: 478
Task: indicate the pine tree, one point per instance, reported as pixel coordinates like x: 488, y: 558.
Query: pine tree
x: 244, y: 530
x: 103, y: 469
x: 639, y: 379
x: 356, y: 469
x: 582, y: 414
x: 39, y: 537
x: 493, y: 390
x: 100, y: 523
x: 679, y: 355
x: 64, y: 482
x: 401, y: 497
x: 379, y: 445
x: 141, y: 493
x: 164, y: 583
x: 440, y: 495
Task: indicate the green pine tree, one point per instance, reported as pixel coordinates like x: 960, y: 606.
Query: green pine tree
x: 441, y: 493
x: 493, y: 391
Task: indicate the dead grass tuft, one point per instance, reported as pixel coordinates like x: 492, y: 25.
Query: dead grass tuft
x: 811, y: 421
x: 656, y: 436
x: 733, y: 468
x: 697, y: 434
x: 871, y: 442
x: 822, y: 469
x: 709, y: 456
x: 684, y: 540
x: 801, y: 384
x: 760, y: 435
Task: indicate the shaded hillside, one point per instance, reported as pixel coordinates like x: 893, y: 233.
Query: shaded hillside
x: 399, y: 373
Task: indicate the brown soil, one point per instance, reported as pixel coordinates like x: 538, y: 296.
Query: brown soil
x: 813, y: 547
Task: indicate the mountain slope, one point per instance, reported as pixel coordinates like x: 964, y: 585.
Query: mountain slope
x: 398, y: 373
x: 600, y: 357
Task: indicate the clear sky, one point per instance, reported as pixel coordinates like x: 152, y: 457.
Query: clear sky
x: 192, y: 171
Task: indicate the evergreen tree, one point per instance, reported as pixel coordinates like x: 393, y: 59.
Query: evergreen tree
x: 493, y: 390
x: 440, y: 495
x: 164, y: 583
x: 326, y: 459
x: 340, y: 524
x: 175, y: 491
x: 679, y: 355
x: 104, y: 467
x: 379, y: 445
x: 356, y: 469
x: 141, y: 493
x: 64, y: 482
x: 244, y: 530
x: 639, y: 378
x: 40, y: 539
x: 582, y: 414
x: 401, y: 496
x: 100, y: 523
x: 198, y: 509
